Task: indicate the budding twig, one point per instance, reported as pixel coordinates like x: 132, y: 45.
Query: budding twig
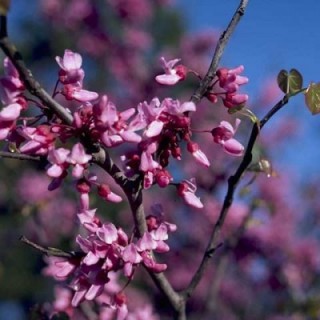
x: 232, y: 185
x: 48, y: 251
x: 223, y: 40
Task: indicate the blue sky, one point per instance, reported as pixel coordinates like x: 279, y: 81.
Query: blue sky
x: 272, y: 35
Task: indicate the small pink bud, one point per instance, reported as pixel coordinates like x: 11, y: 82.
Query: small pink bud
x: 104, y: 190
x: 83, y: 186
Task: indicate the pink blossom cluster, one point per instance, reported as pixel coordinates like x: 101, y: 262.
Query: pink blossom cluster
x: 71, y: 76
x: 157, y: 128
x: 11, y: 96
x: 157, y: 132
x: 226, y: 84
x: 107, y: 250
x: 230, y: 80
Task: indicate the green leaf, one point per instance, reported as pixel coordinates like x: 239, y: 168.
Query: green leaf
x: 312, y: 98
x: 290, y: 82
x: 295, y: 81
x: 282, y: 80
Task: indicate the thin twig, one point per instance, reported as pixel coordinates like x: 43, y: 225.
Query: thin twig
x: 223, y: 40
x: 26, y: 76
x: 18, y: 156
x: 53, y: 252
x: 232, y: 185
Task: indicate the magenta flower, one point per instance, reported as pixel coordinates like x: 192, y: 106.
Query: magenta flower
x: 75, y: 92
x: 112, y: 125
x: 8, y: 117
x: 105, y: 192
x: 107, y: 233
x: 223, y: 135
x: 149, y: 117
x: 79, y: 159
x: 58, y: 159
x: 39, y: 140
x: 230, y: 80
x: 130, y: 257
x: 11, y: 87
x: 200, y: 157
x: 71, y: 71
x: 172, y: 74
x: 186, y: 190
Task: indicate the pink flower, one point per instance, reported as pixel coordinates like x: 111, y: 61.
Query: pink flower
x: 8, y: 117
x: 194, y: 149
x: 88, y: 219
x: 58, y: 160
x: 79, y: 159
x: 223, y: 135
x: 75, y: 92
x: 108, y: 233
x: 112, y: 125
x: 130, y: 257
x: 186, y: 190
x: 11, y: 87
x: 172, y: 74
x: 149, y: 117
x: 230, y: 80
x: 40, y: 139
x: 105, y: 192
x: 71, y: 71
x: 71, y: 75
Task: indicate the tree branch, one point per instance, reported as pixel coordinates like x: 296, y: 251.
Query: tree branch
x: 18, y: 156
x: 223, y: 40
x: 132, y: 188
x: 53, y: 252
x: 232, y: 185
x: 26, y: 76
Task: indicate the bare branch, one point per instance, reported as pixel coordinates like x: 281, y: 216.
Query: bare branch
x: 53, y: 252
x: 18, y: 156
x: 223, y: 40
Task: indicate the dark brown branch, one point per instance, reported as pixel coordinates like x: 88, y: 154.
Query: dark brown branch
x: 223, y: 40
x: 26, y: 76
x: 18, y: 156
x: 134, y: 192
x: 232, y: 185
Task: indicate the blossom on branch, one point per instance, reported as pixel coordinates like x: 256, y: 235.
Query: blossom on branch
x: 186, y: 189
x: 229, y: 80
x: 173, y: 74
x: 71, y: 75
x: 223, y: 135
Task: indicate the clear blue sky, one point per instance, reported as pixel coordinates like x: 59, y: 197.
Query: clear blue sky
x: 273, y: 35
